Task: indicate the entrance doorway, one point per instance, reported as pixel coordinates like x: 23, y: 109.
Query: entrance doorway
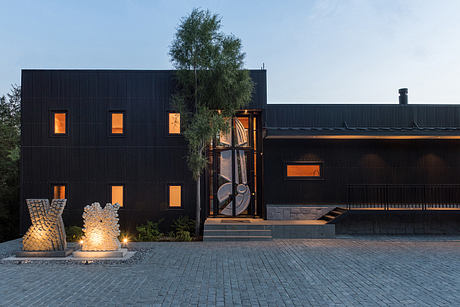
x: 234, y: 185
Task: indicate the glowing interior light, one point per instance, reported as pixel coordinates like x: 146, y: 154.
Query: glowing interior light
x: 174, y: 123
x: 125, y: 240
x: 81, y: 242
x: 59, y: 123
x: 117, y: 123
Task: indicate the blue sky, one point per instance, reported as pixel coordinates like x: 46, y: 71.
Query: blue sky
x: 327, y: 51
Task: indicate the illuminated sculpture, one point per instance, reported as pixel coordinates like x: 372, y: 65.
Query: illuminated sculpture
x: 101, y: 229
x: 243, y: 193
x: 47, y: 231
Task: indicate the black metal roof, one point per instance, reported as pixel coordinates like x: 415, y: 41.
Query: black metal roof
x: 291, y: 121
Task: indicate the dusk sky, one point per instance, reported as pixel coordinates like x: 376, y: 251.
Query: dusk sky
x: 314, y: 51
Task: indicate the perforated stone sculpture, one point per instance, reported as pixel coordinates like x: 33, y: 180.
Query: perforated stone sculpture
x: 101, y: 229
x: 47, y: 231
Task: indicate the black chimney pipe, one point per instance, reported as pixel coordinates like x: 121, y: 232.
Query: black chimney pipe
x: 403, y: 95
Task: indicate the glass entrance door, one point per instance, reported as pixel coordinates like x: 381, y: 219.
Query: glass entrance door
x: 234, y: 169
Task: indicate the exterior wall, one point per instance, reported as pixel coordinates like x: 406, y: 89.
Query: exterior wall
x: 399, y: 222
x: 354, y: 161
x: 88, y: 160
x: 296, y: 212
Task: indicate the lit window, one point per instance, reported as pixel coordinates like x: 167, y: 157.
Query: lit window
x: 59, y: 192
x: 303, y: 170
x: 174, y: 123
x: 117, y: 123
x: 117, y: 195
x: 59, y: 123
x: 175, y: 196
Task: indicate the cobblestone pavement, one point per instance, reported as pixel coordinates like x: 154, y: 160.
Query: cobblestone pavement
x: 367, y: 271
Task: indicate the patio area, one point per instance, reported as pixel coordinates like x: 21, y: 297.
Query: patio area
x: 348, y: 270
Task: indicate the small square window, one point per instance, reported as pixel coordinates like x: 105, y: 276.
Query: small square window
x: 117, y: 195
x: 59, y: 123
x: 174, y: 123
x: 175, y: 197
x: 59, y: 192
x: 117, y: 120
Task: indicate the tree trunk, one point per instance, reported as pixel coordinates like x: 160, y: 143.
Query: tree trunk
x: 198, y: 206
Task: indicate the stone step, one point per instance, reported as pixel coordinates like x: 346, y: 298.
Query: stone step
x: 237, y: 232
x: 237, y: 238
x: 236, y: 227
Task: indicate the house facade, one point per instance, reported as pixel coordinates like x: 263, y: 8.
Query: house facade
x: 111, y: 136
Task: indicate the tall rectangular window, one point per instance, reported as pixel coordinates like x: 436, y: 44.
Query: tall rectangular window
x: 117, y: 123
x: 117, y: 195
x: 175, y: 196
x: 59, y: 192
x: 59, y: 123
x: 303, y: 170
x: 174, y: 123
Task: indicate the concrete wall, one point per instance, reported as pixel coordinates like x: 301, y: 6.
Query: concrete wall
x: 399, y: 222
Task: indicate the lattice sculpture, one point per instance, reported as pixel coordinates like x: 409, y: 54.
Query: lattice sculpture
x: 101, y: 229
x: 47, y: 232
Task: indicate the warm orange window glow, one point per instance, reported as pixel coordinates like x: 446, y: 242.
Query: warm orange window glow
x: 117, y: 123
x: 174, y: 123
x: 59, y: 192
x: 303, y: 170
x: 117, y: 195
x: 59, y: 123
x: 175, y: 196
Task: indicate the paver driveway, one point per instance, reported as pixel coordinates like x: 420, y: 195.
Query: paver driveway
x: 347, y: 270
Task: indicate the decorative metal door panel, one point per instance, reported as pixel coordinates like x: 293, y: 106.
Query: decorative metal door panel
x: 234, y: 169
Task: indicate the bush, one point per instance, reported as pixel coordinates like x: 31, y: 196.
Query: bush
x: 183, y: 236
x: 184, y: 223
x: 148, y: 232
x: 73, y: 233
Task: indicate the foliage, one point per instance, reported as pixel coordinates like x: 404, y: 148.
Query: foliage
x: 183, y: 236
x: 212, y: 84
x: 148, y: 232
x: 183, y: 223
x: 9, y: 163
x: 73, y: 233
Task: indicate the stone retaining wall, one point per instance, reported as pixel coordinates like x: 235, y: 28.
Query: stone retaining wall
x: 296, y: 212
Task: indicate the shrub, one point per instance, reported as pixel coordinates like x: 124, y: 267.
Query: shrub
x: 148, y: 232
x: 73, y: 233
x: 182, y: 235
x: 184, y: 223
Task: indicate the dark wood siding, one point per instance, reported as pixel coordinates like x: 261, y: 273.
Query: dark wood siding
x: 89, y: 159
x: 356, y: 162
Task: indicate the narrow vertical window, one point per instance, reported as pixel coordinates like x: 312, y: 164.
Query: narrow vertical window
x: 117, y: 195
x: 175, y: 200
x: 59, y: 125
x: 117, y: 123
x: 59, y: 192
x: 174, y: 123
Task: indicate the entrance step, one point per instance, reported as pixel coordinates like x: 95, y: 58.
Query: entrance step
x: 225, y: 231
x: 333, y: 215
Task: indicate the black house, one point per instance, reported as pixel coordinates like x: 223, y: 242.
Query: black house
x: 110, y: 136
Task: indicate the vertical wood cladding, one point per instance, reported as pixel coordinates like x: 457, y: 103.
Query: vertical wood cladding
x: 90, y: 159
x: 356, y: 162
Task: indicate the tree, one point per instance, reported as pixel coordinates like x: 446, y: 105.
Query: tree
x: 9, y: 163
x: 212, y: 86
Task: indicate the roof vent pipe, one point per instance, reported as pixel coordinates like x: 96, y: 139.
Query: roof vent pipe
x: 403, y: 95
